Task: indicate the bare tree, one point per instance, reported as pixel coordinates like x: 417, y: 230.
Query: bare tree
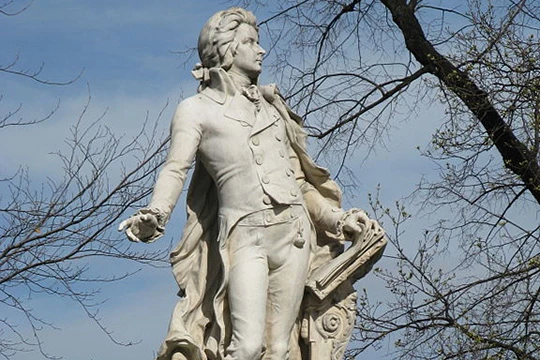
x: 50, y: 230
x: 353, y: 68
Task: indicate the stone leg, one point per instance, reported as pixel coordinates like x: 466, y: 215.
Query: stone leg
x: 268, y: 269
x: 285, y: 292
x: 248, y: 283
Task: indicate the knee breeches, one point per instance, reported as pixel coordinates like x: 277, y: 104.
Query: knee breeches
x: 269, y: 259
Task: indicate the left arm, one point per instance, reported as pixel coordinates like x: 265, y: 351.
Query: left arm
x: 323, y: 214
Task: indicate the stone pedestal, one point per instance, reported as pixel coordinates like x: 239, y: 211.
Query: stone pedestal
x: 328, y: 324
x: 330, y: 301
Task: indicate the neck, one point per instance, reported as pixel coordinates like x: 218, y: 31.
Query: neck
x: 241, y: 80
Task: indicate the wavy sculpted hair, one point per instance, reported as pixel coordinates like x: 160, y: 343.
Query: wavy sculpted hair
x: 217, y: 45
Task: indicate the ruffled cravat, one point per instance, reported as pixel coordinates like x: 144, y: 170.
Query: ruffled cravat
x: 253, y: 94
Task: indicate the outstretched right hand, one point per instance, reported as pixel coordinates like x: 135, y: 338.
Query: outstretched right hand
x: 140, y: 227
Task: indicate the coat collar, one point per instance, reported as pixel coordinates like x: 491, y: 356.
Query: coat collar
x: 220, y: 86
x: 221, y: 89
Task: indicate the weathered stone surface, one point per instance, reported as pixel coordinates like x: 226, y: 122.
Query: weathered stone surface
x: 263, y: 219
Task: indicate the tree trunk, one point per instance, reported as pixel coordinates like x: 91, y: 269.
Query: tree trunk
x: 516, y: 156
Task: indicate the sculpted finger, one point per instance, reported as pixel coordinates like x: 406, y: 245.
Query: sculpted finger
x: 376, y: 227
x: 130, y: 235
x: 357, y: 229
x: 124, y: 224
x: 150, y: 221
x: 362, y: 217
x: 352, y: 230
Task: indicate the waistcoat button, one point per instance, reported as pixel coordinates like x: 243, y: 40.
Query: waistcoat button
x: 255, y: 141
x: 267, y: 200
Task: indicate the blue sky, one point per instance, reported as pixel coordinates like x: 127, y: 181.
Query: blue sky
x: 126, y: 52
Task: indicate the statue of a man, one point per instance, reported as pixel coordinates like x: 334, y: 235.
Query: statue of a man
x: 260, y: 212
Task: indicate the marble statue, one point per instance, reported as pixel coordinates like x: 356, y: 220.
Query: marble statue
x: 258, y: 268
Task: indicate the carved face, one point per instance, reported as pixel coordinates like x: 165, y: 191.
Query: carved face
x: 249, y: 54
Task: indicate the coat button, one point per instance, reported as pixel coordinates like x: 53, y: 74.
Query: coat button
x: 265, y: 179
x: 282, y: 153
x: 289, y: 172
x: 267, y: 200
x: 258, y: 159
x: 294, y: 193
x: 278, y: 137
x: 255, y: 141
x: 268, y: 218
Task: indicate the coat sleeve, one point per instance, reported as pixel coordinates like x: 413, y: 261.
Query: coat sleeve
x: 185, y: 138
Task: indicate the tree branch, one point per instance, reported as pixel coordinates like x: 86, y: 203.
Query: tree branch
x: 516, y: 156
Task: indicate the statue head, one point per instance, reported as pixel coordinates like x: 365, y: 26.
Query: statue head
x: 229, y: 39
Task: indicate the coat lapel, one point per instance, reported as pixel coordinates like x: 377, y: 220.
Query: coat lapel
x: 241, y: 110
x: 265, y: 117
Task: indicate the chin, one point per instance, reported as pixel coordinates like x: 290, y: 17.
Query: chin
x: 255, y: 74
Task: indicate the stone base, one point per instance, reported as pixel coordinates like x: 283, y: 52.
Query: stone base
x: 328, y: 324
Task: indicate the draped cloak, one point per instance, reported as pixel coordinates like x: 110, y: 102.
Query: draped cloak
x: 200, y: 325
